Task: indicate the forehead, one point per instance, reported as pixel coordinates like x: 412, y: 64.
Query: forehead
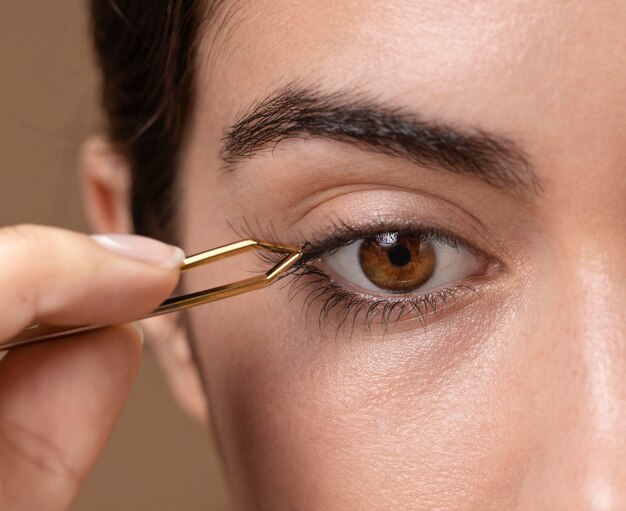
x: 437, y: 55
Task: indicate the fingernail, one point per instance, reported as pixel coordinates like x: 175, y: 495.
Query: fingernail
x: 141, y: 248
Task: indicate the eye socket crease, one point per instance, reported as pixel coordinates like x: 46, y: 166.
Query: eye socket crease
x: 294, y: 111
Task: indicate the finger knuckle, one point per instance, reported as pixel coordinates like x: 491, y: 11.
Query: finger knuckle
x: 22, y: 238
x: 21, y: 250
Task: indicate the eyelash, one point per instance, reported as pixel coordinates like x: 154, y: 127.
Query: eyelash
x: 341, y: 307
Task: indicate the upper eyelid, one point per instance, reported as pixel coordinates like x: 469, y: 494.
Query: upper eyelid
x: 337, y: 234
x: 347, y: 235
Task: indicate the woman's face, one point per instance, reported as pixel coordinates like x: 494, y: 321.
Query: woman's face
x: 475, y: 360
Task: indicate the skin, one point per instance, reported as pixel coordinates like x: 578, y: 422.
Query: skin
x: 512, y: 398
x: 514, y: 401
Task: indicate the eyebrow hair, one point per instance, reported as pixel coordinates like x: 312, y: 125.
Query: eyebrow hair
x: 294, y: 112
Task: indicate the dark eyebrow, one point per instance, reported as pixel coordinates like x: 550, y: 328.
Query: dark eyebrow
x: 294, y: 112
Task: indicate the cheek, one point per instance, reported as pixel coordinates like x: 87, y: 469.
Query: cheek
x: 339, y: 423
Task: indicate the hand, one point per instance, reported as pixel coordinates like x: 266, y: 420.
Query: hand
x: 59, y: 400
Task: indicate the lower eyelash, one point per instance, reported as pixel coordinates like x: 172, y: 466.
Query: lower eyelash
x: 343, y: 309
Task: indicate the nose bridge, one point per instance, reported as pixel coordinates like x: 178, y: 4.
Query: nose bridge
x: 582, y: 460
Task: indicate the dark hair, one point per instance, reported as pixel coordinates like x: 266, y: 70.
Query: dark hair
x: 146, y: 52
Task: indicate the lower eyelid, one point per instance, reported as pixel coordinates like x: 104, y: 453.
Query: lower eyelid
x: 344, y: 311
x: 386, y: 295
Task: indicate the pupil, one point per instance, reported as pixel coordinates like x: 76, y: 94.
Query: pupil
x: 399, y: 255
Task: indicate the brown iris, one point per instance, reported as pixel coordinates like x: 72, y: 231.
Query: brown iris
x: 396, y: 261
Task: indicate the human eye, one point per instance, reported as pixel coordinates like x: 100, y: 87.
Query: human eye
x: 404, y: 262
x: 380, y: 274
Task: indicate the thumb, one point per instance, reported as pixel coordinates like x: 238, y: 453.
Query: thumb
x: 58, y: 404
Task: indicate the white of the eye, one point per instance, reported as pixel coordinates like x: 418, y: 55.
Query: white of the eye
x: 451, y: 265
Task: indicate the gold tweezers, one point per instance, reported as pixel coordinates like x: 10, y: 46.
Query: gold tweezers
x: 40, y: 333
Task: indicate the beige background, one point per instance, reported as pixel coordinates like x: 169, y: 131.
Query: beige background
x: 157, y: 459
